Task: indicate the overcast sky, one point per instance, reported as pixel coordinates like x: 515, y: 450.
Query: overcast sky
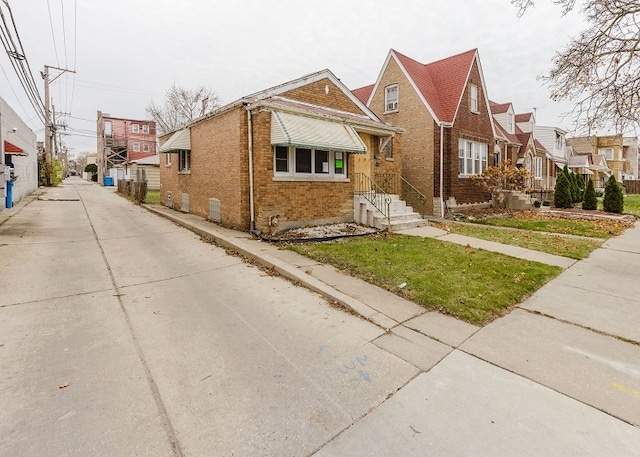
x: 128, y: 52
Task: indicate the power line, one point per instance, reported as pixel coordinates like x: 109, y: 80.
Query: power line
x: 19, y: 62
x: 53, y: 35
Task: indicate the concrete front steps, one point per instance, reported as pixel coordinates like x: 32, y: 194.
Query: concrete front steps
x: 403, y: 217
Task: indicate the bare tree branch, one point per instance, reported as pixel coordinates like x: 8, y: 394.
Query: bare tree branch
x: 599, y: 70
x: 181, y: 106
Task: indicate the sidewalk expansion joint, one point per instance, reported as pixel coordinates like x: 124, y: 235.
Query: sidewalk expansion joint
x: 585, y: 327
x: 60, y: 297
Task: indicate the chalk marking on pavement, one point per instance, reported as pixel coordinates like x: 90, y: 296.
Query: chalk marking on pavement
x: 630, y: 370
x: 626, y: 390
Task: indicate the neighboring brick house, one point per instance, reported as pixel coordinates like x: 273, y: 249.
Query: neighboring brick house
x: 281, y: 158
x: 516, y: 141
x: 449, y: 132
x: 123, y: 140
x: 620, y: 153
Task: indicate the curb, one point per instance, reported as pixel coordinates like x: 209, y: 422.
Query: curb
x: 284, y: 269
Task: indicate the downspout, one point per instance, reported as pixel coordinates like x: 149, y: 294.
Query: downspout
x: 441, y: 170
x: 252, y: 224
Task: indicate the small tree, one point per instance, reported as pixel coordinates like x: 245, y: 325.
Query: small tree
x: 562, y: 196
x: 613, y: 199
x: 590, y: 201
x: 503, y: 176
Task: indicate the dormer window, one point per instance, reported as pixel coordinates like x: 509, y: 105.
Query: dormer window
x: 391, y: 98
x: 473, y: 98
x: 510, y: 124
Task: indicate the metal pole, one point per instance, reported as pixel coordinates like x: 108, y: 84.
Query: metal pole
x: 47, y: 130
x: 48, y: 127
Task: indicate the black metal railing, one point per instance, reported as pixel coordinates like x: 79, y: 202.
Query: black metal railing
x: 395, y: 184
x: 374, y: 194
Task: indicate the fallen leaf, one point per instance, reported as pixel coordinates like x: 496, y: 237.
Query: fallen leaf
x: 64, y: 384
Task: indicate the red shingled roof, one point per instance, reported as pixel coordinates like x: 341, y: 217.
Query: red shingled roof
x: 523, y: 117
x: 363, y: 93
x: 498, y: 108
x: 442, y: 82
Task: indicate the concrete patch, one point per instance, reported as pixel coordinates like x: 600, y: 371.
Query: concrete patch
x: 598, y: 370
x: 417, y: 349
x: 465, y: 407
x: 443, y: 328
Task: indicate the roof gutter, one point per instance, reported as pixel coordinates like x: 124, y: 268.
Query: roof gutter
x: 442, y: 126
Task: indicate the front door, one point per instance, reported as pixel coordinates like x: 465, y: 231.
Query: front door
x: 362, y: 165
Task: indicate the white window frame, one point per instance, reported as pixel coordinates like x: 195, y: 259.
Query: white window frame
x: 146, y: 147
x: 136, y: 147
x: 331, y: 174
x: 472, y: 157
x: 537, y: 173
x: 474, y: 95
x: 184, y: 161
x: 511, y: 123
x: 603, y: 151
x: 135, y: 128
x: 168, y: 160
x: 145, y: 129
x: 391, y: 98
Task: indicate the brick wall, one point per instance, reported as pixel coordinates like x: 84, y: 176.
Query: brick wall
x: 467, y: 125
x: 219, y: 170
x: 323, y: 93
x: 417, y: 141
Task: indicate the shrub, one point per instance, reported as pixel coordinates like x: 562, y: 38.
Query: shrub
x: 613, y: 199
x: 537, y: 204
x: 562, y: 197
x: 590, y: 200
x: 91, y: 168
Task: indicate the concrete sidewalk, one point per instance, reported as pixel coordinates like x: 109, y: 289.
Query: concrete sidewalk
x: 560, y: 375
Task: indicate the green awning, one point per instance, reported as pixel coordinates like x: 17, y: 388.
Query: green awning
x: 307, y: 132
x: 179, y: 141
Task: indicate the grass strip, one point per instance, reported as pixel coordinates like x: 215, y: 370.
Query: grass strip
x: 474, y: 285
x: 573, y: 248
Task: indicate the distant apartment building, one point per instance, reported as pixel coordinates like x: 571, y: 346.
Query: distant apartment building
x: 620, y: 154
x: 121, y: 141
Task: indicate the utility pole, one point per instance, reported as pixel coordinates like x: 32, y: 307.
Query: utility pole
x: 48, y: 129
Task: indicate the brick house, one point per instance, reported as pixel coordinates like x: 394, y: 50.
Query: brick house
x: 281, y: 158
x: 121, y: 141
x: 449, y: 132
x: 516, y: 142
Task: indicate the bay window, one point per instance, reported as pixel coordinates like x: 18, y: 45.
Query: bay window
x: 472, y: 157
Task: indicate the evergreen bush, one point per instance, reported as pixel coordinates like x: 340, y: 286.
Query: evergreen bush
x: 590, y: 201
x: 613, y: 199
x: 562, y: 197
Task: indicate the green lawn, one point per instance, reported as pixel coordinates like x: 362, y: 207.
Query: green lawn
x: 574, y: 248
x: 474, y: 285
x: 632, y: 204
x: 153, y: 197
x: 542, y: 222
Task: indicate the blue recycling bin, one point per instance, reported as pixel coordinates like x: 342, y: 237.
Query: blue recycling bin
x: 108, y: 181
x: 9, y: 197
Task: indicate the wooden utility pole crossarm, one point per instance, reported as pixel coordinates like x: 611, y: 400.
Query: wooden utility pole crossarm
x: 48, y: 123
